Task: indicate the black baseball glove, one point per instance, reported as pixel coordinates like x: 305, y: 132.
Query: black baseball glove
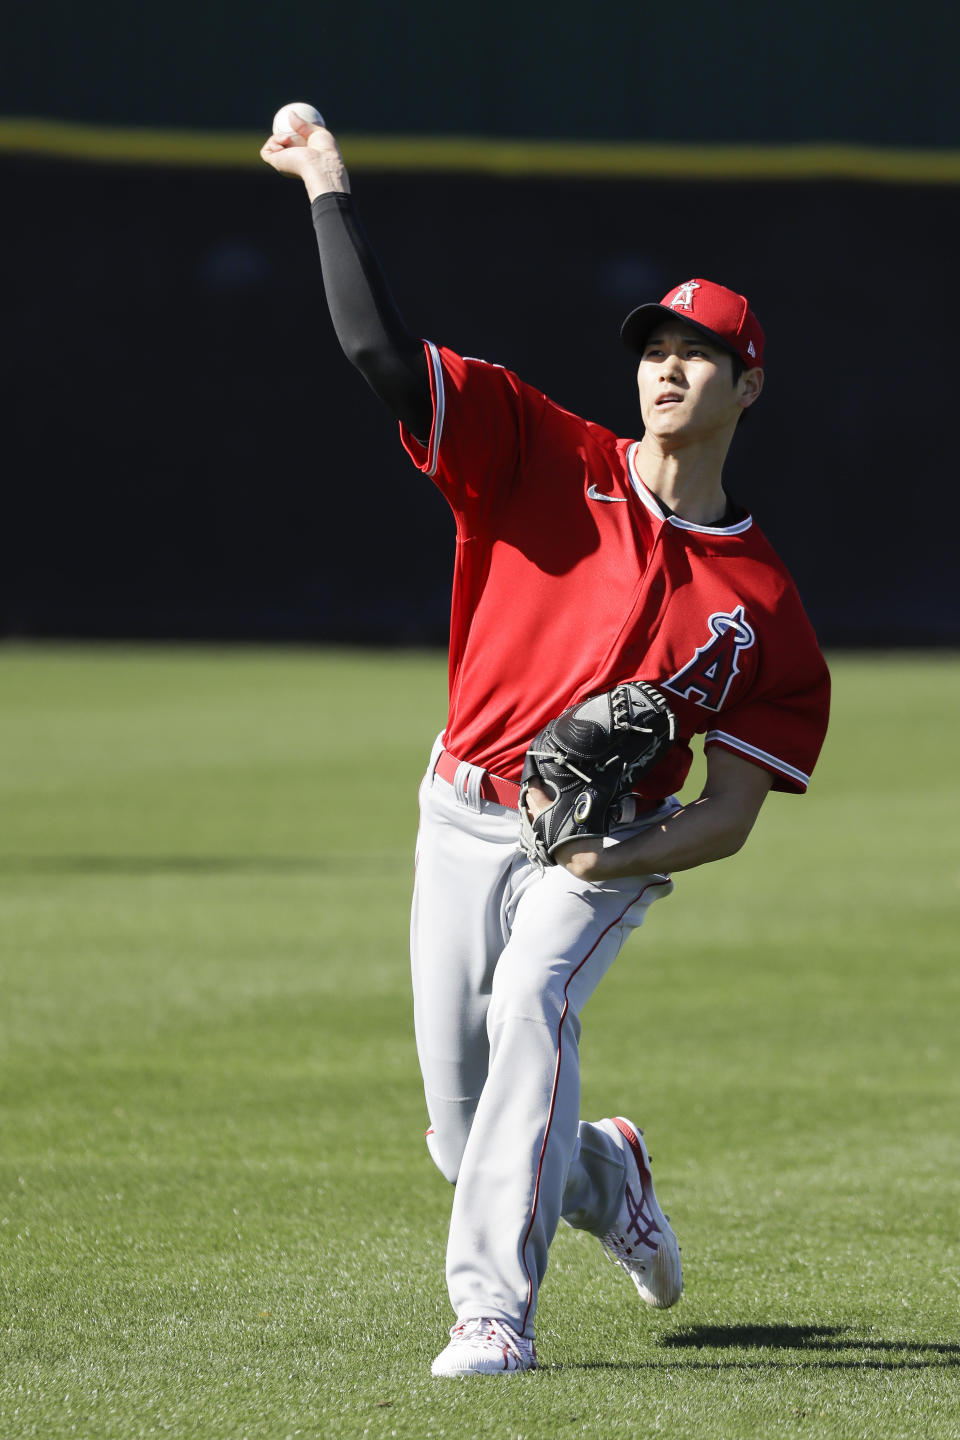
x: 588, y: 759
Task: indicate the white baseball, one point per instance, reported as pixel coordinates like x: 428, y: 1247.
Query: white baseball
x: 282, y: 123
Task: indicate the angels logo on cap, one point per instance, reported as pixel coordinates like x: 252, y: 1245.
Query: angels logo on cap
x: 721, y: 313
x: 683, y: 300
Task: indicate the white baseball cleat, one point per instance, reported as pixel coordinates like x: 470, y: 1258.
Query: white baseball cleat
x: 641, y: 1241
x: 484, y: 1347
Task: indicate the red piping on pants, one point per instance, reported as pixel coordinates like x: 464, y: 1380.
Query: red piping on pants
x: 556, y: 1085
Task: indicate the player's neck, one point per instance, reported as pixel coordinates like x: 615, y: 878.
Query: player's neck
x: 688, y: 479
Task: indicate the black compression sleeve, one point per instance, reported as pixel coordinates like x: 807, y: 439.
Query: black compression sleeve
x: 366, y: 318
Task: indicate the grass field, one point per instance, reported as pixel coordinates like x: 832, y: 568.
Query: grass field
x: 217, y: 1216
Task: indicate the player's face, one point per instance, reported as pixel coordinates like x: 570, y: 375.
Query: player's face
x: 686, y: 385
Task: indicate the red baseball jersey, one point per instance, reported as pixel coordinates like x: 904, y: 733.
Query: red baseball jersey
x: 570, y: 579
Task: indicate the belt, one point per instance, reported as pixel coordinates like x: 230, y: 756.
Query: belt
x: 492, y: 787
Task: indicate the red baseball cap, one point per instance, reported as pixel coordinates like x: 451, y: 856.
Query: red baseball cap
x: 718, y: 312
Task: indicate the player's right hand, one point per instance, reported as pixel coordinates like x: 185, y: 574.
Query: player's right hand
x: 312, y: 154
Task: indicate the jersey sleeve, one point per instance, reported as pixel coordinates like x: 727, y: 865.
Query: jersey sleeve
x: 781, y: 724
x: 484, y: 418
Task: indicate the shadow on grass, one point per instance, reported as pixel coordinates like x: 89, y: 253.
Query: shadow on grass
x: 139, y: 865
x: 794, y: 1337
x: 823, y: 1345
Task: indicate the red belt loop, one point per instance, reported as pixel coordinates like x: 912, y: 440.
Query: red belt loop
x: 492, y: 787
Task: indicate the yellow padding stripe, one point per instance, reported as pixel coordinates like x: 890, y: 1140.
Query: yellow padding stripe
x: 211, y: 149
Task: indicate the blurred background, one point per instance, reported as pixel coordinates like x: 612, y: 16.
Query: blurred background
x: 189, y: 456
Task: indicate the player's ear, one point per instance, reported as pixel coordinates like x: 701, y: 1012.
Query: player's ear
x: 751, y: 383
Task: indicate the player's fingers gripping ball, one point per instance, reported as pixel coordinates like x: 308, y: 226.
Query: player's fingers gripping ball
x: 287, y: 115
x: 587, y: 760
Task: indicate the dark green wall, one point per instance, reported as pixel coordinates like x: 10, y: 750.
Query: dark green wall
x: 700, y: 71
x: 186, y: 451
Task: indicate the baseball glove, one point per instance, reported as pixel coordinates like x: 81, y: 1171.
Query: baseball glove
x: 588, y: 759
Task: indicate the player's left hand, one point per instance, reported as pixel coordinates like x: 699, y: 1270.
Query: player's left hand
x: 582, y: 765
x: 583, y: 858
x: 537, y: 799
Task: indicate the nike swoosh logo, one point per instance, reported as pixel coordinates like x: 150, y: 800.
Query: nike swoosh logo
x: 594, y: 494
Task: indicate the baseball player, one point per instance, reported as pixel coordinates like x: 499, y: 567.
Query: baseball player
x: 585, y: 563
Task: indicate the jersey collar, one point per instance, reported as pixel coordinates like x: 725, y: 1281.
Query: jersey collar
x: 650, y: 502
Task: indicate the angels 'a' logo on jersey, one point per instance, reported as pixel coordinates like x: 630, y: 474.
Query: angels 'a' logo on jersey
x: 706, y: 679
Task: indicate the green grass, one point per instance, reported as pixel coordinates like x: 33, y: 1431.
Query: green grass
x: 217, y: 1217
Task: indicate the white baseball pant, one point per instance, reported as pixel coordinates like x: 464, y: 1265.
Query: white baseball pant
x: 504, y: 960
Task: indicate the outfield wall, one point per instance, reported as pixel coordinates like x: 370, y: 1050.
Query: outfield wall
x: 821, y: 70
x: 190, y: 455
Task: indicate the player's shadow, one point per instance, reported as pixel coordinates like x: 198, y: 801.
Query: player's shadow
x: 836, y: 1347
x: 826, y: 1338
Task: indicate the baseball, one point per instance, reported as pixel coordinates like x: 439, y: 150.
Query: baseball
x: 282, y: 123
